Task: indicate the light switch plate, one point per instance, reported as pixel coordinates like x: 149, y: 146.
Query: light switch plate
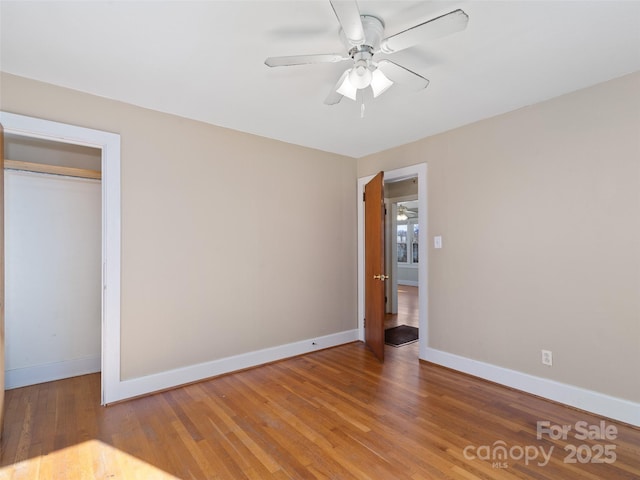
x: 437, y: 241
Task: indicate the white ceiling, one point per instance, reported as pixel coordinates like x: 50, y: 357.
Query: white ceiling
x: 204, y: 60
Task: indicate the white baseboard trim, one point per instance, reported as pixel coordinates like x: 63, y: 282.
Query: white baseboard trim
x: 180, y: 376
x: 588, y: 400
x: 22, y: 377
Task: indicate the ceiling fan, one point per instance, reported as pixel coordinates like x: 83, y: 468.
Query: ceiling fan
x: 363, y: 37
x: 404, y: 213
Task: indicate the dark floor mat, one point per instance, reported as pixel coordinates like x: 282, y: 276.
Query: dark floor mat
x: 400, y: 335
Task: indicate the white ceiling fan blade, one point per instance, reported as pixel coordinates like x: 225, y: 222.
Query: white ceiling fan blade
x: 447, y: 24
x: 403, y: 76
x: 349, y: 18
x: 304, y: 59
x: 334, y: 97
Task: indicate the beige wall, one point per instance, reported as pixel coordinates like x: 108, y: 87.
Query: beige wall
x: 230, y: 242
x: 539, y: 211
x: 233, y: 242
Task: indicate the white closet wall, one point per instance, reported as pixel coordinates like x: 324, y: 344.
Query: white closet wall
x: 53, y: 277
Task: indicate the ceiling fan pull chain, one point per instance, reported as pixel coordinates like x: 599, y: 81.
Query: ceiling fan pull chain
x: 362, y: 109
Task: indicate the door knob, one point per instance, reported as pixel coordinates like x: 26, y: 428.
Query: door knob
x: 380, y: 277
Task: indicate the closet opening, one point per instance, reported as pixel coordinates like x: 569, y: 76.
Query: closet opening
x: 53, y: 258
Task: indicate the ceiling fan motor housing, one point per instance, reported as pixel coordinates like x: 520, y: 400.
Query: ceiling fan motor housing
x: 373, y: 34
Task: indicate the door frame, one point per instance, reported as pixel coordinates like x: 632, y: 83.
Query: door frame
x: 419, y: 171
x: 109, y: 145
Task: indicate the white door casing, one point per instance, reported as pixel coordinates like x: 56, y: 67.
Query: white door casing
x: 109, y: 145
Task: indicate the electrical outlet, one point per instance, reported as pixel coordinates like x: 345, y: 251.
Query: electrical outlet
x: 547, y: 357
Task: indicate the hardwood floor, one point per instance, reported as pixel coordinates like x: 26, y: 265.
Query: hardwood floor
x: 407, y: 308
x: 335, y: 413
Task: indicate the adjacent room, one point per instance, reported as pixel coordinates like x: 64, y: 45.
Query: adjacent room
x: 320, y: 239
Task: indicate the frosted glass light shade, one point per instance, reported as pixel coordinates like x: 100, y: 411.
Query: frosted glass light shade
x: 379, y: 82
x: 347, y: 89
x: 360, y: 76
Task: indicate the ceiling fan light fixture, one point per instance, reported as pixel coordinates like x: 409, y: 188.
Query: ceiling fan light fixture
x: 379, y: 83
x: 347, y: 89
x: 402, y: 214
x: 360, y: 75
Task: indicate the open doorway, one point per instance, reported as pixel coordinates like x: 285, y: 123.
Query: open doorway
x: 415, y: 300
x: 402, y: 255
